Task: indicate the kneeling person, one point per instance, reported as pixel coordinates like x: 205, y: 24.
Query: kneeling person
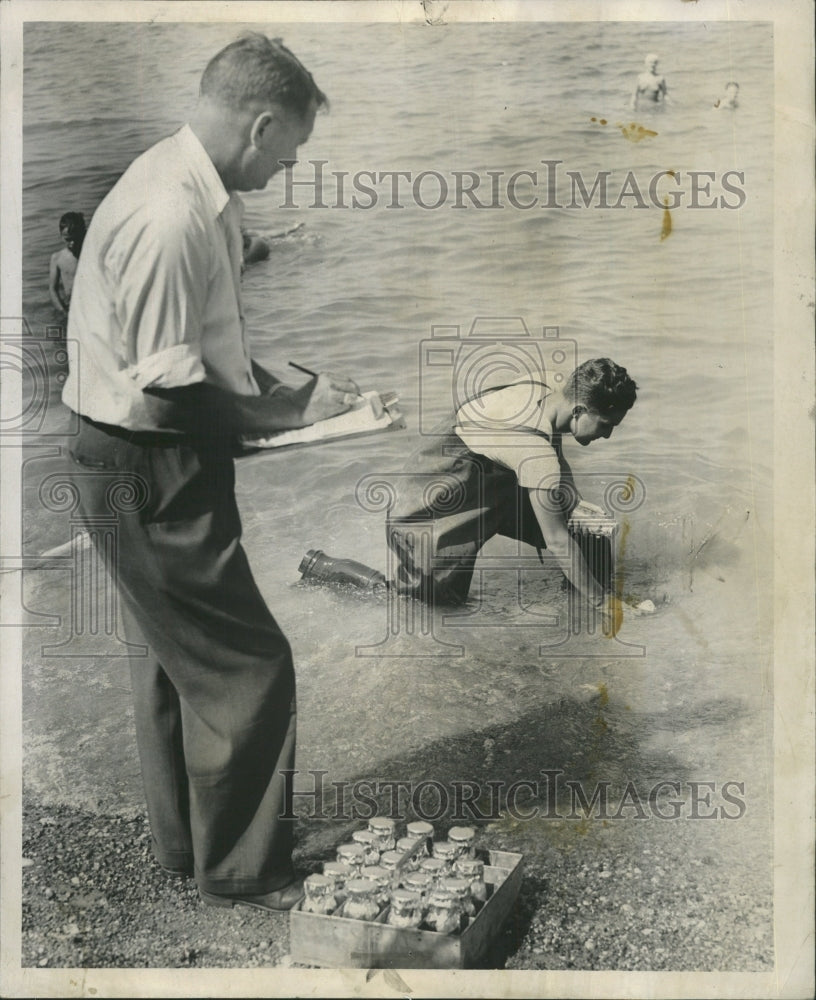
x: 496, y: 466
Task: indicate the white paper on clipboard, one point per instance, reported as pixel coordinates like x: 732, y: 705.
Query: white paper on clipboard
x: 360, y: 419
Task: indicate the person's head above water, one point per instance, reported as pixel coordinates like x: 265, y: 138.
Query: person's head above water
x: 72, y: 229
x: 257, y: 104
x: 599, y: 394
x: 651, y: 61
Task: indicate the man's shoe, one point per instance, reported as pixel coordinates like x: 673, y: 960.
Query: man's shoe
x: 280, y: 899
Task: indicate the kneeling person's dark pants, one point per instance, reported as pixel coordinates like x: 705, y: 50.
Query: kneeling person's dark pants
x: 434, y: 559
x: 215, y: 696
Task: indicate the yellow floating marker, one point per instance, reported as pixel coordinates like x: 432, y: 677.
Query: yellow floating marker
x: 666, y: 228
x: 634, y: 132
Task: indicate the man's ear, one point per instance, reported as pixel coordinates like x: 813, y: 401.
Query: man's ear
x: 262, y: 123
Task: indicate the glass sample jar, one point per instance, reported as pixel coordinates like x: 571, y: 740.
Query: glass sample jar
x: 447, y: 853
x: 472, y: 869
x: 339, y: 874
x: 444, y: 913
x: 383, y: 879
x: 370, y: 844
x: 433, y: 867
x: 319, y: 897
x: 420, y: 830
x: 352, y: 855
x: 361, y: 902
x: 420, y: 882
x: 384, y: 829
x: 465, y: 839
x: 391, y: 861
x: 403, y: 846
x: 459, y: 888
x: 406, y: 908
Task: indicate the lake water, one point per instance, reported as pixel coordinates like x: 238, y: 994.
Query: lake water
x: 358, y: 291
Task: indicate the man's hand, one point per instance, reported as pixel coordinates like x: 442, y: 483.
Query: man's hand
x: 325, y: 396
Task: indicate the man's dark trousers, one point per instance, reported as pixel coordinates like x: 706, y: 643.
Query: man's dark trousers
x: 215, y: 696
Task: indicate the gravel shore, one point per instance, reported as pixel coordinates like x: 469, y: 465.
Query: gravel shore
x: 595, y: 895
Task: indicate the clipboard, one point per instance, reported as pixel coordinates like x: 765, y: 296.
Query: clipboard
x: 359, y: 420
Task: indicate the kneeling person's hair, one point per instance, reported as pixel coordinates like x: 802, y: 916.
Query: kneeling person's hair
x: 601, y: 386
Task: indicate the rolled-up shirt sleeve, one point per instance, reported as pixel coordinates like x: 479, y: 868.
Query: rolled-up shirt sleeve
x: 160, y: 298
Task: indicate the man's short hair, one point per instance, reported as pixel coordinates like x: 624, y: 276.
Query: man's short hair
x: 256, y: 69
x: 601, y: 386
x: 73, y: 221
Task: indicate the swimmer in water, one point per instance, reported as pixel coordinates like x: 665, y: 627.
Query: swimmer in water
x: 63, y: 265
x: 730, y: 99
x: 257, y: 248
x: 651, y: 86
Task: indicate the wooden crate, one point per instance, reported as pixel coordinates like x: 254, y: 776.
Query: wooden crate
x: 338, y: 942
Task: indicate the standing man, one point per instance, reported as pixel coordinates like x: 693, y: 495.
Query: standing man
x: 164, y: 385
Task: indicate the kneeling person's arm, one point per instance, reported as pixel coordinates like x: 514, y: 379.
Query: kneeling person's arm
x: 570, y: 558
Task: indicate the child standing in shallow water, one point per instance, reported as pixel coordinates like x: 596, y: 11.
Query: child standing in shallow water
x: 64, y: 262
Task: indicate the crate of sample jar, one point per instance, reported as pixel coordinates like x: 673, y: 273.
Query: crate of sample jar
x: 338, y: 941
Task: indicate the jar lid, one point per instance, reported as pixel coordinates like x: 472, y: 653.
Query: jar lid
x: 406, y: 844
x: 376, y: 873
x: 351, y: 851
x: 456, y: 886
x: 364, y: 837
x: 336, y: 869
x: 318, y: 883
x: 390, y: 859
x: 441, y: 897
x: 445, y: 849
x: 461, y: 833
x: 432, y: 864
x: 469, y: 866
x: 406, y: 897
x: 419, y: 829
x: 418, y: 878
x: 383, y: 823
x: 360, y: 886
